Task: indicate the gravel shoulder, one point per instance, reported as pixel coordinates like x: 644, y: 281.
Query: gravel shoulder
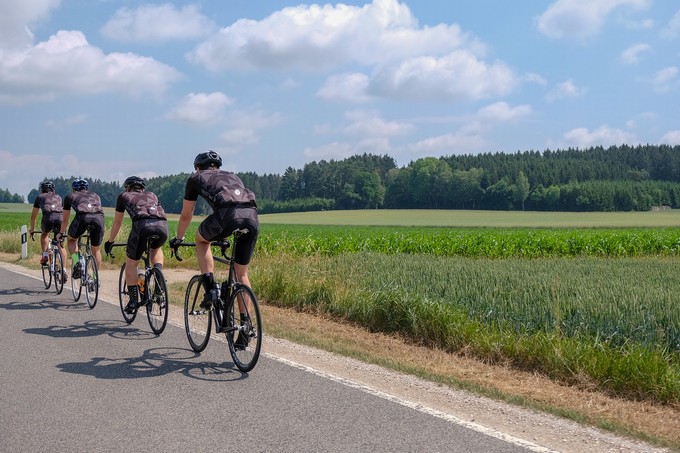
x: 483, y: 414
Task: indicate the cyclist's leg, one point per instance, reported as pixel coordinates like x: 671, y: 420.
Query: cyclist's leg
x: 96, y: 223
x: 160, y: 229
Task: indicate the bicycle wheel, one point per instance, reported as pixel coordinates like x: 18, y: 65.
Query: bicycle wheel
x: 59, y: 272
x: 123, y: 297
x: 46, y: 275
x: 157, y: 296
x: 245, y: 328
x: 91, y: 281
x: 197, y: 320
x: 76, y: 285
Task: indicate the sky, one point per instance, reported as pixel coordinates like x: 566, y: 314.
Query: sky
x: 105, y: 89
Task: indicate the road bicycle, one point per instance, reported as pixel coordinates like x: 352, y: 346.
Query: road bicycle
x: 234, y: 309
x: 54, y: 268
x: 89, y: 276
x: 153, y: 291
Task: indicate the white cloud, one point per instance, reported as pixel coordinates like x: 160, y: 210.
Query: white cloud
x: 602, y: 136
x: 463, y: 141
x: 632, y: 54
x: 534, y: 78
x: 317, y: 37
x: 200, y: 108
x: 16, y: 17
x: 666, y: 80
x: 580, y: 19
x: 370, y: 124
x: 68, y: 121
x: 158, y: 23
x: 453, y: 77
x: 244, y: 126
x: 67, y: 64
x: 349, y: 87
x: 564, y: 90
x: 671, y: 138
x: 672, y: 30
x: 502, y: 112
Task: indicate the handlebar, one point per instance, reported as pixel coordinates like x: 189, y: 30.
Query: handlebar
x: 223, y: 245
x: 116, y: 244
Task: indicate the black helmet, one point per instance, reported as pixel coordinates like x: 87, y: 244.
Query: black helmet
x: 46, y: 186
x: 133, y: 181
x: 80, y: 184
x: 208, y: 159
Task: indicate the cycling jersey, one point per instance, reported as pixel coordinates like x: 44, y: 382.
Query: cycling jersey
x: 219, y: 188
x: 140, y: 204
x: 83, y: 202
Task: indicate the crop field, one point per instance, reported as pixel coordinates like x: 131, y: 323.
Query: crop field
x: 585, y: 298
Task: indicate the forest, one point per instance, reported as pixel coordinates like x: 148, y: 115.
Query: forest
x: 618, y: 178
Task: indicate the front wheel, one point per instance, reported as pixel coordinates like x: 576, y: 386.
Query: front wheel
x: 59, y: 272
x: 76, y: 285
x: 47, y: 274
x: 123, y: 297
x: 91, y: 281
x: 197, y: 320
x: 244, y: 334
x: 156, y: 292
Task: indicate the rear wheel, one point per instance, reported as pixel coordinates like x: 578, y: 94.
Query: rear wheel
x: 244, y: 335
x: 46, y: 274
x: 197, y: 320
x: 59, y: 272
x: 157, y: 304
x: 123, y: 296
x: 91, y: 281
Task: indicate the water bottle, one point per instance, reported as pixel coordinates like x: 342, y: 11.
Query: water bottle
x: 82, y: 263
x: 140, y: 281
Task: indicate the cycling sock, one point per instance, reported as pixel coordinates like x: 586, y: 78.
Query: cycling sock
x: 208, y: 281
x: 75, y: 258
x: 158, y: 266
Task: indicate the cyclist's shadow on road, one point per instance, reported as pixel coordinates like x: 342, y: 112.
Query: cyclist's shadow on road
x: 153, y: 363
x: 91, y: 329
x: 45, y: 299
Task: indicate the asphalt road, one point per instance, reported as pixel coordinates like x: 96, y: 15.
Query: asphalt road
x: 74, y: 379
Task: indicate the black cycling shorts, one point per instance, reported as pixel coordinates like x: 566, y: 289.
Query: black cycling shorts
x: 82, y: 221
x: 141, y: 231
x: 224, y: 221
x: 51, y: 222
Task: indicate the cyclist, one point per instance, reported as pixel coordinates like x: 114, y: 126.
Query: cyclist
x: 88, y: 208
x: 49, y: 202
x: 233, y: 207
x: 148, y: 219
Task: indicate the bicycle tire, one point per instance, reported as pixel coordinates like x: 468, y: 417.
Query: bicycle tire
x: 123, y: 297
x: 91, y: 281
x: 157, y: 300
x: 76, y: 286
x: 197, y: 321
x: 244, y: 353
x: 46, y: 274
x: 58, y: 270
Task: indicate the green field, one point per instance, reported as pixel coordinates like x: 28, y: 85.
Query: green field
x: 585, y: 298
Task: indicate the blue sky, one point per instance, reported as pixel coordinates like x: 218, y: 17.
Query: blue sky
x: 108, y: 88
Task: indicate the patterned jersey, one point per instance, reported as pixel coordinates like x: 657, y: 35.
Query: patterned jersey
x: 83, y: 202
x: 48, y: 202
x: 140, y: 204
x: 219, y: 188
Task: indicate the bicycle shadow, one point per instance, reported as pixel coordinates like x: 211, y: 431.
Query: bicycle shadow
x: 88, y: 329
x: 41, y: 304
x: 154, y: 362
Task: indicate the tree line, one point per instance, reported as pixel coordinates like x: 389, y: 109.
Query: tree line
x: 618, y: 178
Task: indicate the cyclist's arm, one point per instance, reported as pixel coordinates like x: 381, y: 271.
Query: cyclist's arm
x: 64, y: 220
x: 34, y: 215
x: 185, y: 217
x: 115, y: 228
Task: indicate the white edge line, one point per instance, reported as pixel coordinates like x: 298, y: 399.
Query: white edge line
x: 419, y: 407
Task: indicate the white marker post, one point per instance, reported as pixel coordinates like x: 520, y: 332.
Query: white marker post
x: 24, y: 242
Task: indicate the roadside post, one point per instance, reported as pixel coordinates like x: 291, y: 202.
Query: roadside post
x: 24, y: 242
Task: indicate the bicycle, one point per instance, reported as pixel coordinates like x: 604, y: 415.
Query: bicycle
x: 153, y: 291
x: 235, y: 311
x: 55, y: 264
x: 89, y: 276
